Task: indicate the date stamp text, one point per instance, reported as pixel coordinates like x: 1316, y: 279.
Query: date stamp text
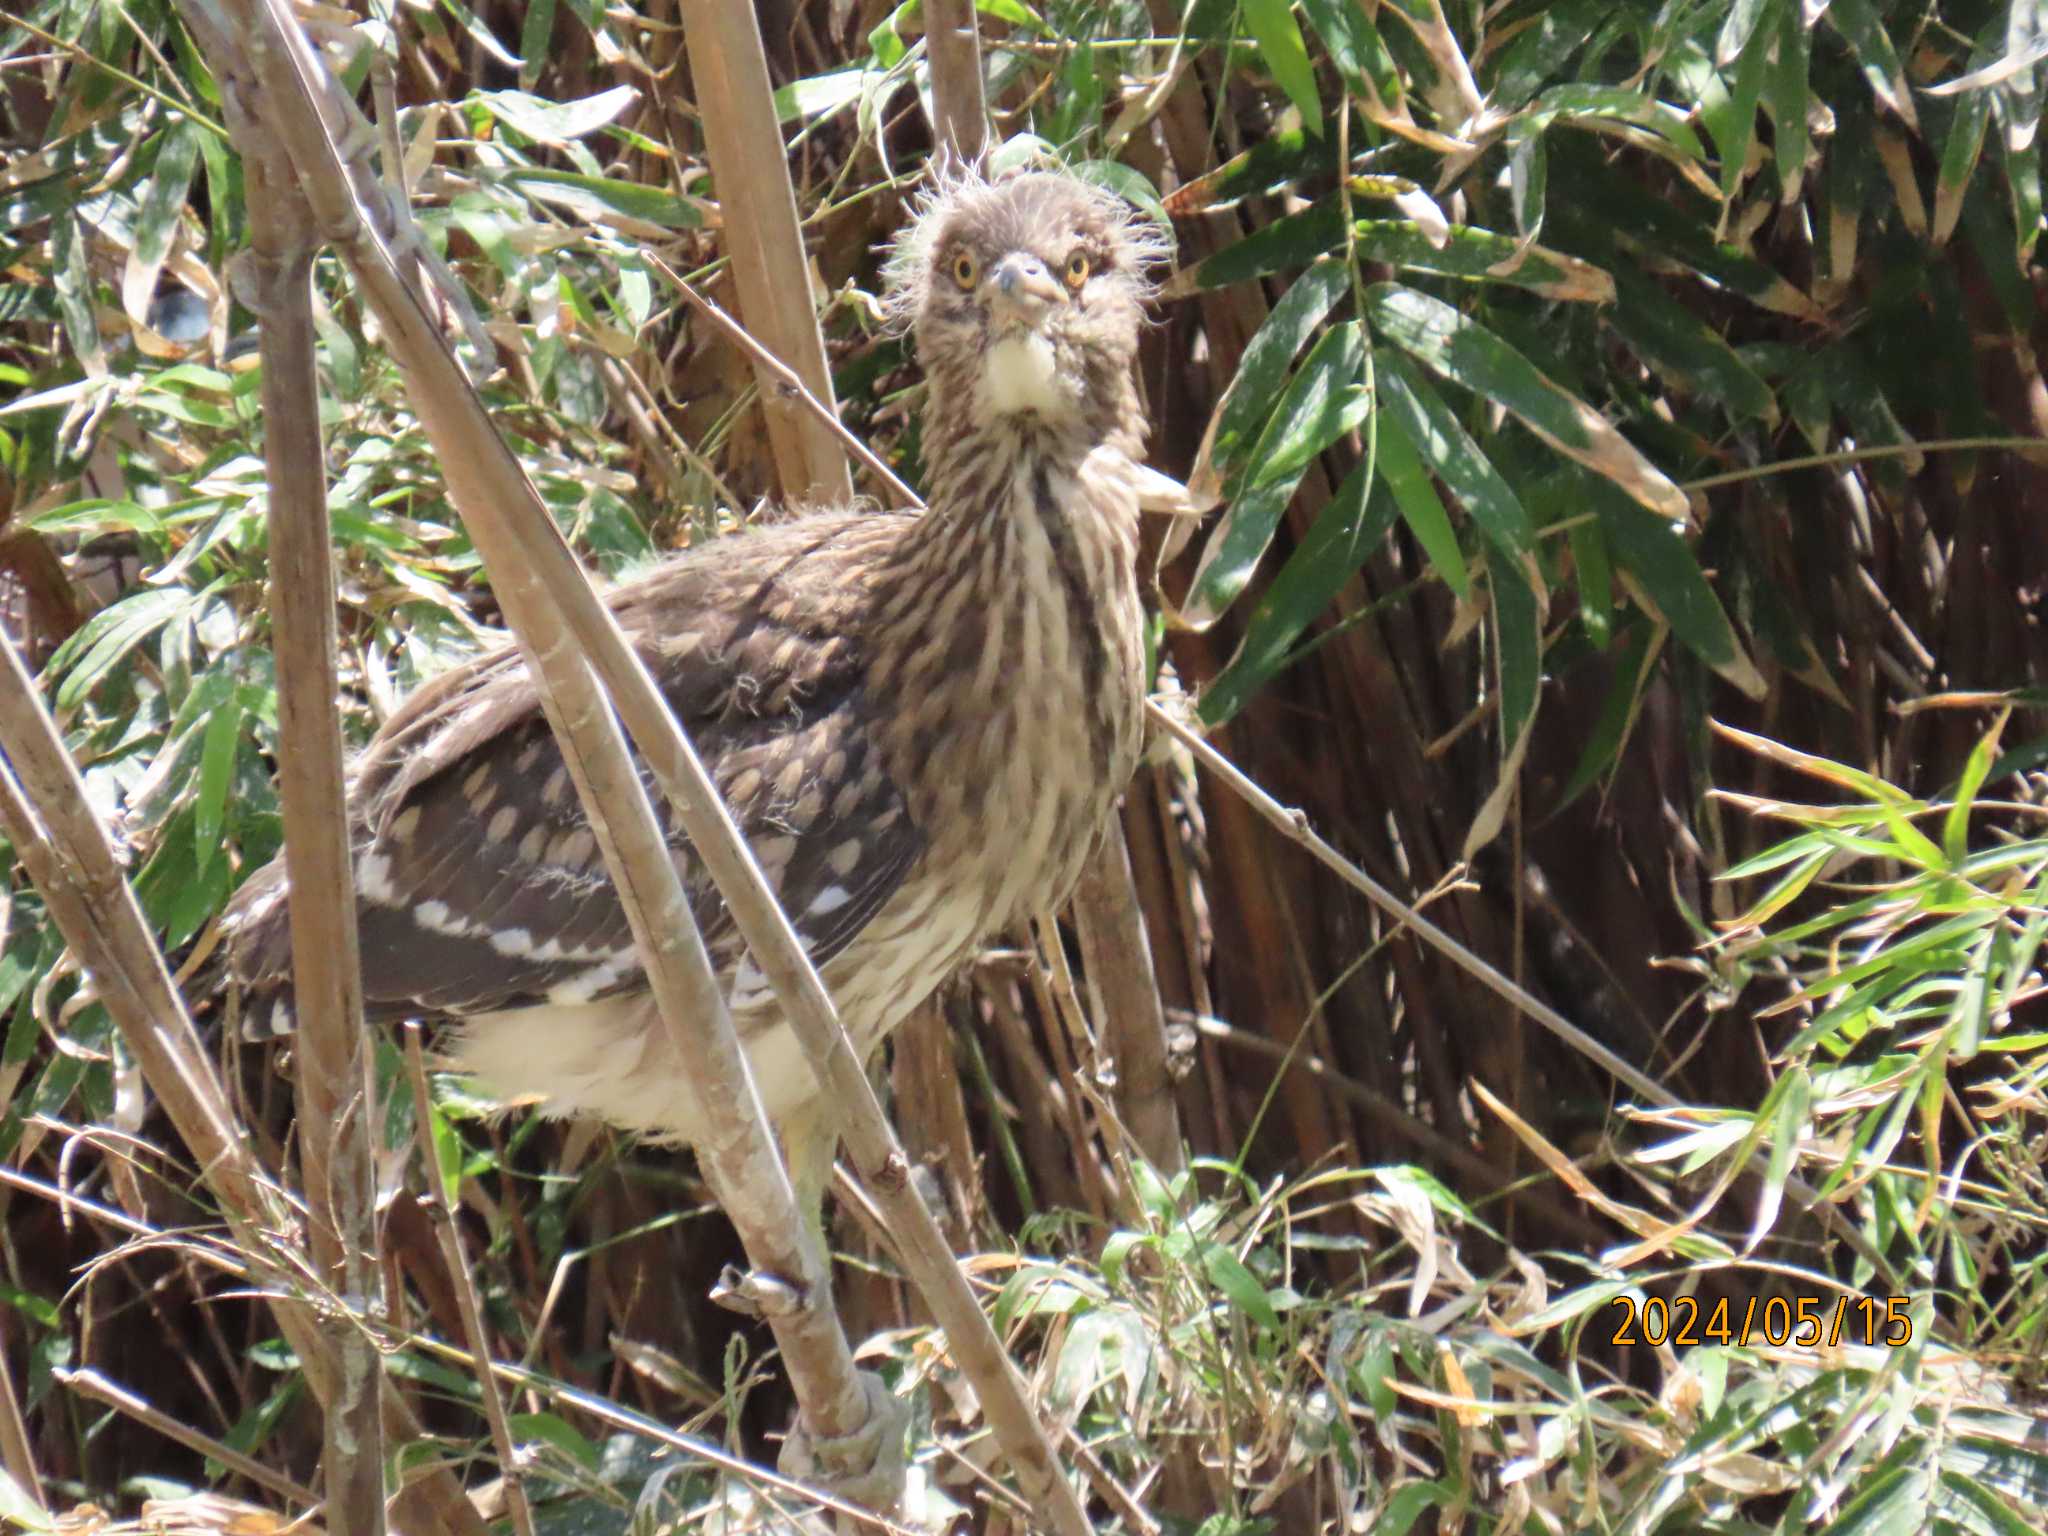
x: 1808, y: 1322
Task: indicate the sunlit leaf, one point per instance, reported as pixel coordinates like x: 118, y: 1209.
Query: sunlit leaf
x: 1283, y: 52
x: 1467, y: 353
x: 1446, y: 447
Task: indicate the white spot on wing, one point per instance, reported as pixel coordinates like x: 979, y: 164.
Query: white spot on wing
x: 830, y: 899
x: 373, y: 880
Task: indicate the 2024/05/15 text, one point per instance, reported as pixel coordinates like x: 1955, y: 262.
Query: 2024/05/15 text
x: 1806, y: 1321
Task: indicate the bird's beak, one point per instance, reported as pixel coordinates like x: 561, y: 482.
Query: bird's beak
x: 1021, y: 293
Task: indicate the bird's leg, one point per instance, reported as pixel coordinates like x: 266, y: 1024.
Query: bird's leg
x: 809, y: 1142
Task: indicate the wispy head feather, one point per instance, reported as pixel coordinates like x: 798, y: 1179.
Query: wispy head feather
x: 1014, y: 207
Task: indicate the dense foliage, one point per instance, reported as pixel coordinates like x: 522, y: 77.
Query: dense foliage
x: 1578, y: 377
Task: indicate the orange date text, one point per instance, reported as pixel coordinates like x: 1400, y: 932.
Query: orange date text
x: 1807, y: 1322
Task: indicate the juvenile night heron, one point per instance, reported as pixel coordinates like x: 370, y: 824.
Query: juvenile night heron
x: 920, y: 722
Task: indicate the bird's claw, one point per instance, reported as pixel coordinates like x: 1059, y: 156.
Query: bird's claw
x: 866, y: 1467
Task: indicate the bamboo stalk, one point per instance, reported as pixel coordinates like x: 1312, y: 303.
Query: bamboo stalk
x: 335, y: 1100
x: 554, y: 612
x: 538, y: 583
x: 1118, y: 957
x: 952, y: 48
x: 743, y: 142
x: 65, y: 851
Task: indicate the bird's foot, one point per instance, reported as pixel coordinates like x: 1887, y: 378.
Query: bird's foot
x: 866, y: 1467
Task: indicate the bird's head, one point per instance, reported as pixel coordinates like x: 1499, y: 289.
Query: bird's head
x: 1027, y: 295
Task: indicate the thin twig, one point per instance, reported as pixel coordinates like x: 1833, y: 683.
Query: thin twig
x: 1293, y: 825
x: 465, y: 1284
x: 784, y: 379
x: 90, y: 1383
x: 15, y: 1453
x: 2028, y: 445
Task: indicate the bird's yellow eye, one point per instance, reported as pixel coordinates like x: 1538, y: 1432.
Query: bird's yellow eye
x: 966, y: 270
x: 1077, y: 270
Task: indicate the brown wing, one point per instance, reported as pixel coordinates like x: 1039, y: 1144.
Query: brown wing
x: 480, y: 883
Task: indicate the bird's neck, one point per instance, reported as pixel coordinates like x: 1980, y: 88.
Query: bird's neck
x: 1010, y: 615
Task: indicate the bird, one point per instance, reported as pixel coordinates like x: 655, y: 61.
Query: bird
x: 920, y: 721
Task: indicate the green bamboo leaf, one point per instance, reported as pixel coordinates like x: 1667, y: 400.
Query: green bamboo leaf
x: 1731, y: 116
x: 1893, y: 1500
x: 163, y: 205
x: 1345, y: 534
x: 1955, y: 826
x: 1786, y: 1107
x: 821, y: 95
x: 555, y: 122
x: 1632, y: 665
x: 1587, y: 101
x: 1785, y: 98
x: 1481, y: 256
x: 1608, y: 211
x: 536, y: 33
x: 1518, y: 645
x: 1860, y: 26
x: 558, y: 1432
x: 1911, y: 844
x: 2023, y: 182
x: 1660, y: 565
x: 1400, y: 466
x: 1992, y: 1510
x: 1594, y: 573
x: 1238, y: 1285
x: 1262, y: 372
x: 1737, y: 28
x: 599, y: 196
x: 1467, y: 353
x: 1323, y: 402
x: 216, y: 768
x: 1960, y: 152
x: 1541, y: 48
x: 1519, y: 621
x: 1419, y: 412
x: 1776, y: 857
x: 1285, y: 55
x: 1528, y: 181
x: 1293, y: 241
x: 1233, y: 550
x: 109, y: 635
x: 1355, y: 48
x: 1692, y: 357
x: 1289, y: 156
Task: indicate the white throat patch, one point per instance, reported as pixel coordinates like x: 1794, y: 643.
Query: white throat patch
x: 1019, y: 376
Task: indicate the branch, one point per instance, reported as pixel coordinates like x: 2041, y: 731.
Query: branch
x: 337, y: 1107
